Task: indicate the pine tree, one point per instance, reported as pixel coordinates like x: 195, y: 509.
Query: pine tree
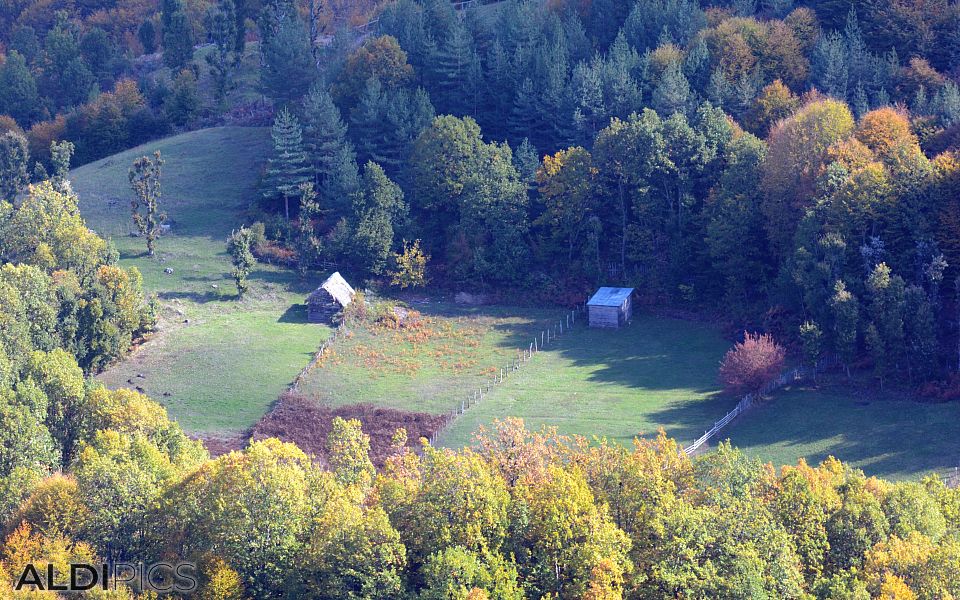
x: 288, y: 167
x: 60, y: 155
x: 177, y: 38
x: 221, y: 24
x: 830, y: 69
x: 337, y: 189
x: 887, y: 337
x: 525, y: 114
x: 343, y: 181
x: 288, y: 69
x: 672, y: 94
x: 499, y: 92
x: 324, y: 132
x: 366, y: 120
x: 147, y: 34
x: 450, y: 69
x: 921, y: 333
x: 526, y: 160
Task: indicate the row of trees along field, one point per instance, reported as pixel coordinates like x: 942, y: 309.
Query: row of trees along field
x: 767, y: 159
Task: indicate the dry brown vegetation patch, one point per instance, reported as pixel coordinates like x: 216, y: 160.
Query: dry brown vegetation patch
x: 306, y: 423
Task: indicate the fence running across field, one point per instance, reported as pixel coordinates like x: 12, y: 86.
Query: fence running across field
x: 524, y: 355
x: 295, y: 385
x: 748, y: 400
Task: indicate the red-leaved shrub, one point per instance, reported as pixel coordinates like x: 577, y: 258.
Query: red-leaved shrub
x: 751, y: 364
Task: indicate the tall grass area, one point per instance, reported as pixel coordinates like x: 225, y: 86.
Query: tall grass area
x: 620, y: 384
x: 217, y: 363
x: 430, y: 367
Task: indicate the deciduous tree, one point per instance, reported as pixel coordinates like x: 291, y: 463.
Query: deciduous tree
x: 752, y: 363
x: 144, y: 178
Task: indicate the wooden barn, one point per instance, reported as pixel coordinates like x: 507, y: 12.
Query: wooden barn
x: 610, y: 307
x: 333, y: 295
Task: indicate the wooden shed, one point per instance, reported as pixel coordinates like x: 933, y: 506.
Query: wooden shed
x: 333, y: 295
x: 610, y: 307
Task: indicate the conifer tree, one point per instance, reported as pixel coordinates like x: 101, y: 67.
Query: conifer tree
x: 60, y: 155
x: 366, y: 119
x: 288, y: 69
x: 222, y: 24
x: 288, y: 167
x: 526, y: 160
x: 343, y: 181
x: 147, y: 35
x: 451, y: 68
x: 525, y: 114
x: 177, y: 36
x: 672, y: 94
x: 324, y: 132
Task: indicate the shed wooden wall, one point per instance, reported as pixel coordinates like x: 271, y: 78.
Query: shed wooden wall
x: 604, y: 316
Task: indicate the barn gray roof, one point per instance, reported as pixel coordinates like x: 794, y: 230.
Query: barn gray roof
x: 335, y: 287
x: 610, y: 296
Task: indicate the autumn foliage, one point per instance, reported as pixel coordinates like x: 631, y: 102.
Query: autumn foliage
x: 752, y: 363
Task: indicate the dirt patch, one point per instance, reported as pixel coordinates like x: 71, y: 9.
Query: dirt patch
x: 304, y: 422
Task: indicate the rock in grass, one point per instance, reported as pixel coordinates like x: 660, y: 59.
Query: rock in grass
x: 168, y: 271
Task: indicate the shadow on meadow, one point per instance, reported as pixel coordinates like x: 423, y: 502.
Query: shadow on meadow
x: 883, y: 434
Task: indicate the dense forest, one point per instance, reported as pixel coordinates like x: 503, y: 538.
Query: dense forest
x: 791, y: 167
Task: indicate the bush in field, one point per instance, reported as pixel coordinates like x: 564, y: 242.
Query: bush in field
x: 750, y: 364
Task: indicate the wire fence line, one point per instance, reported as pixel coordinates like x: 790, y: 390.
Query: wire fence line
x: 317, y: 357
x: 951, y: 477
x: 748, y: 400
x: 476, y: 395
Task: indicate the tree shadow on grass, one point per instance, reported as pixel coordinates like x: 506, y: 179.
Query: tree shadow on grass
x: 287, y: 279
x: 198, y: 297
x: 883, y: 436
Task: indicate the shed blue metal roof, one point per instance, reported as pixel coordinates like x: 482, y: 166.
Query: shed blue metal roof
x: 610, y: 296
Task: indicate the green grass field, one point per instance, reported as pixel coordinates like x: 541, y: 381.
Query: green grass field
x: 223, y: 368
x: 654, y: 373
x: 881, y: 434
x: 426, y: 369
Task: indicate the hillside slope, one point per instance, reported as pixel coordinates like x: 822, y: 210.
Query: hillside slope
x: 217, y: 362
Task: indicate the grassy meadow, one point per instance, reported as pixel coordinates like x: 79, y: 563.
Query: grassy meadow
x: 654, y: 373
x: 216, y: 363
x: 882, y: 434
x: 427, y: 368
